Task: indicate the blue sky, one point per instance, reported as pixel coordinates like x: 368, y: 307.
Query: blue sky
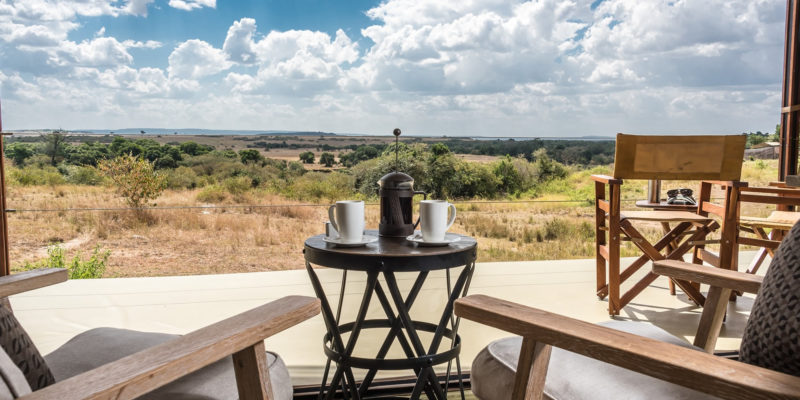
x: 482, y: 67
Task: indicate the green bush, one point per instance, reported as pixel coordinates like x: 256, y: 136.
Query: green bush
x: 33, y: 175
x: 182, y: 178
x: 237, y: 185
x: 83, y: 175
x: 212, y: 194
x: 322, y: 186
x: 92, y: 268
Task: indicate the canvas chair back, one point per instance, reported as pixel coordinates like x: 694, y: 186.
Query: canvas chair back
x: 701, y: 157
x: 770, y: 337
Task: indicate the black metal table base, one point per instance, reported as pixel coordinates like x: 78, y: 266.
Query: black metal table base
x: 402, y: 330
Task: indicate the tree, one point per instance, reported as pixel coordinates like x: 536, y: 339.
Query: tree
x: 327, y: 159
x: 54, y: 146
x: 307, y: 157
x: 135, y: 179
x: 250, y: 156
x: 19, y: 152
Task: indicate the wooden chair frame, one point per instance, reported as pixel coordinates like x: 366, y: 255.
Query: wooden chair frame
x: 697, y: 370
x: 127, y: 378
x: 716, y: 160
x: 611, y: 230
x: 781, y: 196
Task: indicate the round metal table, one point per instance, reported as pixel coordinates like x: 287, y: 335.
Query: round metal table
x: 384, y: 258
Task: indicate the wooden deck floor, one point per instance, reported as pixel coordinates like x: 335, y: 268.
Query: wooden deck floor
x: 181, y: 304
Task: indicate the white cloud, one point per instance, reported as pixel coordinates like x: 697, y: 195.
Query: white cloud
x: 195, y: 59
x: 137, y: 7
x: 239, y: 43
x: 539, y: 67
x: 189, y: 5
x: 98, y: 52
x: 148, y: 44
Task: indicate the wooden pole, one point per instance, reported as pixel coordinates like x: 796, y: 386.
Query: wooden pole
x: 790, y: 111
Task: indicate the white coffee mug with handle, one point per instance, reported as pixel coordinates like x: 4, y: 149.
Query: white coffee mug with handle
x: 347, y: 217
x: 433, y: 219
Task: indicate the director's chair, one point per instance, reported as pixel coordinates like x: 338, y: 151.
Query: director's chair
x: 716, y: 160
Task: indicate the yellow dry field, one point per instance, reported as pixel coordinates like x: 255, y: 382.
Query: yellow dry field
x: 238, y: 237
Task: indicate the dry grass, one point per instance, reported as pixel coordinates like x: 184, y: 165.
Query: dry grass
x: 240, y: 239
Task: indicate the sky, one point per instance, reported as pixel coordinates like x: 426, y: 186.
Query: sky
x: 561, y: 68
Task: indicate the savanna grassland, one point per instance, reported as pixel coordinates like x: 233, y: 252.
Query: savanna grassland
x: 224, y: 214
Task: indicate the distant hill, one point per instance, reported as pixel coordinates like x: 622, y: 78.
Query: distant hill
x: 189, y: 131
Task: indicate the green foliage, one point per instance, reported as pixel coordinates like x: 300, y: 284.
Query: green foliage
x: 237, y: 185
x: 135, y: 179
x: 19, y: 152
x: 92, y: 268
x: 361, y: 153
x: 195, y: 149
x: 327, y: 159
x: 307, y: 157
x: 250, y: 156
x: 33, y: 175
x: 322, y: 186
x: 54, y: 146
x: 78, y: 175
x: 182, y: 178
x: 212, y: 194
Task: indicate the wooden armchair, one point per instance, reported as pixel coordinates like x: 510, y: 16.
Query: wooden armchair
x: 563, y: 358
x: 717, y: 160
x: 201, y: 352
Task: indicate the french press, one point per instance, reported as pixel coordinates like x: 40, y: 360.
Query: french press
x: 396, y: 192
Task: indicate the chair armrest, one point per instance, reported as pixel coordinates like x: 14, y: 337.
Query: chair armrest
x: 147, y: 370
x: 738, y: 184
x: 723, y: 278
x: 606, y: 179
x: 683, y: 366
x: 29, y: 280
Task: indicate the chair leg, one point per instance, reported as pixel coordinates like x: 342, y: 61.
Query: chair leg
x: 601, y: 250
x: 252, y: 373
x: 711, y: 320
x: 534, y: 358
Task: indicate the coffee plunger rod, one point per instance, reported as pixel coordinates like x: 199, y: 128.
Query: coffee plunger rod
x: 396, y: 134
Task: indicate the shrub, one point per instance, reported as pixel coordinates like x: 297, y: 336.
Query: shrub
x: 92, y: 268
x: 135, y: 179
x: 212, y: 194
x: 327, y: 159
x: 237, y: 185
x: 322, y: 186
x: 33, y: 175
x: 307, y: 157
x: 83, y: 175
x: 182, y: 178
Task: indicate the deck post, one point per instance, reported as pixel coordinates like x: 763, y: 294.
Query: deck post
x: 790, y: 106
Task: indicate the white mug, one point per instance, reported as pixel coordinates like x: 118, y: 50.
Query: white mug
x: 348, y: 219
x: 433, y: 220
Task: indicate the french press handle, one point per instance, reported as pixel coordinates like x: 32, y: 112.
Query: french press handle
x: 424, y: 197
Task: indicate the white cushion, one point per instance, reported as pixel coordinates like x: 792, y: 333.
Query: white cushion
x: 100, y: 346
x: 572, y: 377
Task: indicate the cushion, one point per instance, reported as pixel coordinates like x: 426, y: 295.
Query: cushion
x: 12, y: 381
x: 572, y: 376
x: 19, y: 347
x: 770, y: 337
x: 100, y: 346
